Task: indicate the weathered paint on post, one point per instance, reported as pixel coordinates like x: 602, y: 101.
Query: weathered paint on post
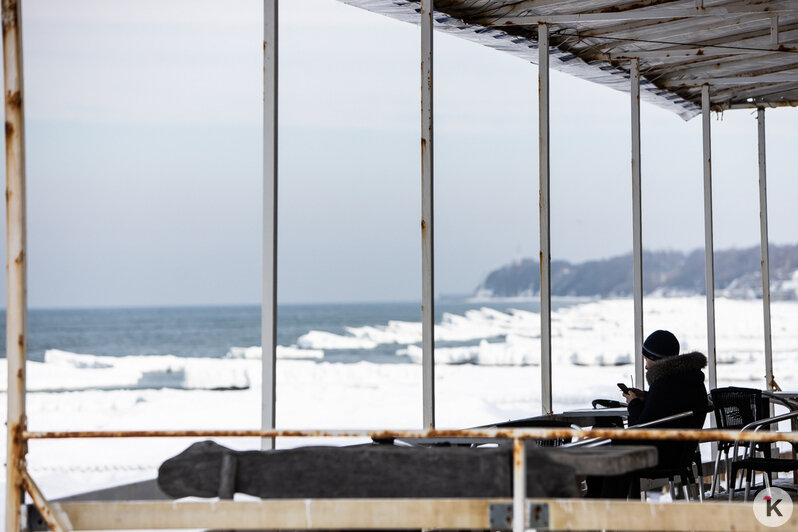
x: 764, y: 248
x: 427, y: 220
x: 708, y: 239
x: 269, y: 296
x: 16, y: 259
x: 637, y: 226
x: 545, y: 228
x: 519, y: 486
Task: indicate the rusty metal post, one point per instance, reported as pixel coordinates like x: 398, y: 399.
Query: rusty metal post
x: 637, y: 226
x: 427, y: 220
x: 545, y: 228
x: 708, y: 240
x: 519, y: 486
x: 16, y: 257
x: 269, y: 296
x: 764, y: 247
x: 56, y: 520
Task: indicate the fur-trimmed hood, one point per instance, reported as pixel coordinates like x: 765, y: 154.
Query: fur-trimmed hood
x: 667, y: 367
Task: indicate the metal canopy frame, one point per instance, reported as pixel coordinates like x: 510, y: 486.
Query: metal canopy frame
x: 689, y: 56
x: 749, y: 48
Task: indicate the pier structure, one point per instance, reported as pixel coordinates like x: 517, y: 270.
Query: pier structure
x: 691, y: 57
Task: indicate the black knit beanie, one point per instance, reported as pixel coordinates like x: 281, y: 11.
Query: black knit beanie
x: 660, y: 344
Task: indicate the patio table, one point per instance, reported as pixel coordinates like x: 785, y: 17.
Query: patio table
x: 605, y: 460
x: 588, y: 417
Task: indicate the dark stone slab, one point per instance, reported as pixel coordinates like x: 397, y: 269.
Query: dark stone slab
x: 606, y: 460
x: 207, y: 469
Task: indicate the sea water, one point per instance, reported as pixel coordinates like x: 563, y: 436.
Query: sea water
x: 215, y: 331
x: 342, y: 366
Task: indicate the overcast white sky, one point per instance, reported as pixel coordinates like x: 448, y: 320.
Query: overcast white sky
x: 144, y: 158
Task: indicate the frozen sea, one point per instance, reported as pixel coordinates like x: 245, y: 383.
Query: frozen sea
x: 342, y: 366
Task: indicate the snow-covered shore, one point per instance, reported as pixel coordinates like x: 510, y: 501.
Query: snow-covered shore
x: 496, y: 379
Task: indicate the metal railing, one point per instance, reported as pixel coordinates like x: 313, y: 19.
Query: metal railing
x: 60, y: 517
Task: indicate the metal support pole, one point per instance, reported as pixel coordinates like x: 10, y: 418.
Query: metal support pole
x: 427, y: 220
x: 16, y: 259
x: 545, y: 228
x: 637, y: 226
x: 269, y: 301
x: 519, y: 486
x: 56, y: 519
x: 708, y: 242
x: 763, y: 226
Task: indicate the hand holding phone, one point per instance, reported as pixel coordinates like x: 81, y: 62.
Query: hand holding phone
x: 624, y: 388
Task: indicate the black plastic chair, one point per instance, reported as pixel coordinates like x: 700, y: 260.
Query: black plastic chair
x: 734, y: 409
x: 689, y: 449
x: 750, y: 464
x: 689, y: 456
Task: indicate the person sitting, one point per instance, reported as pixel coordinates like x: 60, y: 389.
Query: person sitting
x: 676, y: 385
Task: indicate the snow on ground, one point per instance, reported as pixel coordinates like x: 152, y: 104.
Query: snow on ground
x: 592, y: 351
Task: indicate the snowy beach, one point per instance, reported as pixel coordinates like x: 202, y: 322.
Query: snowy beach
x: 487, y: 371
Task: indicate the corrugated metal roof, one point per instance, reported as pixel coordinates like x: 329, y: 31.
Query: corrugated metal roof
x: 745, y: 50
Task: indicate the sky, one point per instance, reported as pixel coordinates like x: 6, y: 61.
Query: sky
x: 144, y: 169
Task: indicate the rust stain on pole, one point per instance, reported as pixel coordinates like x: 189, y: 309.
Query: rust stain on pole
x: 16, y: 304
x: 528, y: 433
x: 44, y: 511
x: 55, y: 522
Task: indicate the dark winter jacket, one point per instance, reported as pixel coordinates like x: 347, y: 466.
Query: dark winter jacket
x: 676, y: 384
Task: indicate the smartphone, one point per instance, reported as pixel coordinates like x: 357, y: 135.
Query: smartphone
x: 624, y: 388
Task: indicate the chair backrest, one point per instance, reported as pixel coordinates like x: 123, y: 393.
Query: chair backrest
x: 539, y: 423
x: 737, y: 407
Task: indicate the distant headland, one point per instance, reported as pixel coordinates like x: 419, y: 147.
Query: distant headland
x: 666, y: 273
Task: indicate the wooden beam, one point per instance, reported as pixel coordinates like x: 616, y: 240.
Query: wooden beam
x: 732, y: 68
x: 735, y: 94
x: 525, y: 6
x: 680, y: 52
x: 758, y: 37
x: 705, y: 32
x: 653, y: 13
x: 677, y: 30
x: 629, y: 515
x: 443, y: 514
x: 787, y: 102
x: 783, y: 77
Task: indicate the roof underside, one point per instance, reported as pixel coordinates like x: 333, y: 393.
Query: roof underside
x: 745, y: 50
